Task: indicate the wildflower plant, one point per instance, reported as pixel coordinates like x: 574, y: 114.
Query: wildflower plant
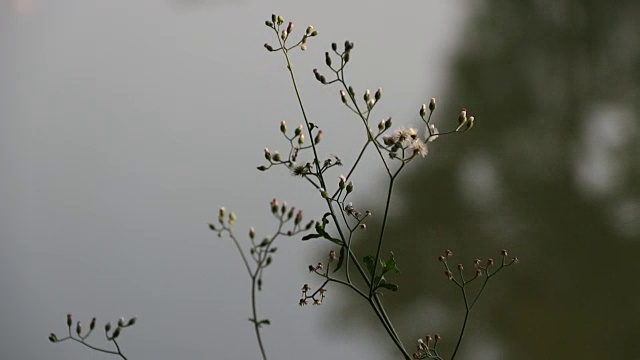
x: 367, y: 276
x: 81, y: 336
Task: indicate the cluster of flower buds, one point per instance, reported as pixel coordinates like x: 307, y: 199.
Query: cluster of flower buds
x: 275, y: 23
x: 384, y: 124
x: 464, y: 122
x: 317, y: 297
x: 222, y: 214
x: 343, y: 185
x: 426, y: 349
x: 372, y: 101
x: 122, y: 323
x: 480, y: 268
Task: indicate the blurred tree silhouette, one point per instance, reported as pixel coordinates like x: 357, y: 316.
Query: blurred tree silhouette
x: 551, y: 172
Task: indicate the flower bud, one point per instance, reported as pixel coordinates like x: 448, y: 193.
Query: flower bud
x: 268, y: 23
x: 346, y: 57
x: 332, y: 256
x: 290, y: 214
x: 350, y: 187
x: 381, y: 126
x: 423, y: 110
x: 107, y: 326
x: 334, y: 46
x: 274, y: 18
x: 283, y: 127
x: 370, y: 104
x: 318, y: 137
x: 313, y: 33
x: 132, y: 321
x: 276, y: 157
x: 280, y: 20
x: 470, y: 123
x: 504, y: 252
x: 274, y: 206
x: 342, y: 182
x: 298, y: 218
x: 232, y: 218
x: 298, y: 130
x: 367, y: 95
x: 378, y: 94
x: 351, y: 91
x: 348, y: 46
x: 78, y: 328
x: 268, y: 47
x: 290, y: 27
x: 53, y: 338
x: 343, y: 96
x: 309, y: 30
x: 448, y: 274
x: 388, y: 123
x: 121, y: 322
x: 92, y: 324
x: 432, y: 104
x: 327, y: 59
x: 301, y: 139
x: 262, y: 168
x: 252, y: 233
x: 116, y: 333
x: 462, y: 119
x: 303, y: 47
x: 69, y: 320
x: 460, y: 267
x: 324, y: 193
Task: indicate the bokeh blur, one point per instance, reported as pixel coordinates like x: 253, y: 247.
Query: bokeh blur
x: 551, y: 172
x: 124, y: 125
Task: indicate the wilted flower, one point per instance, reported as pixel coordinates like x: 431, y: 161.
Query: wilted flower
x: 418, y: 148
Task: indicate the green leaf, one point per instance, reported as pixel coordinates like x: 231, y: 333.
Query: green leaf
x: 340, y: 259
x: 390, y: 265
x: 369, y: 261
x: 389, y: 286
x: 310, y: 236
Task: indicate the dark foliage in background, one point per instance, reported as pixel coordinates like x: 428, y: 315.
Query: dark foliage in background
x: 550, y: 172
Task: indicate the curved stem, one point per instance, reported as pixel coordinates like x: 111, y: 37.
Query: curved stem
x: 464, y: 323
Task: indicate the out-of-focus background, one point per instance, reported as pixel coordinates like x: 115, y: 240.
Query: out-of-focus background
x: 124, y: 125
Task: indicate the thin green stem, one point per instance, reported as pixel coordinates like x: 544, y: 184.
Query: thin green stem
x: 256, y: 322
x: 464, y: 323
x: 82, y: 341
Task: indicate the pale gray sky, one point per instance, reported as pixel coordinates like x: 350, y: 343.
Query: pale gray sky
x: 125, y: 125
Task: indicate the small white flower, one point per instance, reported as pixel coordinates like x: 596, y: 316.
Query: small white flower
x: 404, y: 134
